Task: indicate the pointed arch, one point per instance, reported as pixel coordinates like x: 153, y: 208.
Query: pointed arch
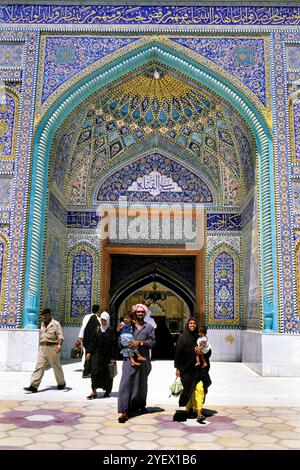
x: 99, y: 79
x: 145, y: 276
x: 223, y: 287
x: 200, y: 177
x: 82, y: 282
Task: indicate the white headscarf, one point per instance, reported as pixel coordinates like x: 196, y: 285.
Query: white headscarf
x: 149, y: 319
x: 104, y: 316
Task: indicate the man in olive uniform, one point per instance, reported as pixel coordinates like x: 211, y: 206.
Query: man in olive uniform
x: 51, y: 339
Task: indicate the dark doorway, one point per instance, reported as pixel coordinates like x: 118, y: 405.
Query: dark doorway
x: 129, y: 273
x: 165, y: 346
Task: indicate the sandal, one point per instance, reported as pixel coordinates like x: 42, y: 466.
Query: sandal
x: 123, y: 418
x: 92, y: 396
x: 200, y: 419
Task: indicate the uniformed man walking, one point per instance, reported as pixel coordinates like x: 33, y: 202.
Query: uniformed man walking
x: 51, y: 339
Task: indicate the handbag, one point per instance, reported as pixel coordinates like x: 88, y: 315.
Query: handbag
x: 176, y: 388
x: 112, y: 369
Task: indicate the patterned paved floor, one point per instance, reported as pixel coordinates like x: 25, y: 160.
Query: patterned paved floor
x: 93, y: 426
x: 247, y: 412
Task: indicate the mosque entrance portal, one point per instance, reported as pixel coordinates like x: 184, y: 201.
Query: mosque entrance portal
x: 165, y: 284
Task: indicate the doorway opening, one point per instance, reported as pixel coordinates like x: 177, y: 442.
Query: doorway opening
x: 166, y: 284
x: 168, y: 313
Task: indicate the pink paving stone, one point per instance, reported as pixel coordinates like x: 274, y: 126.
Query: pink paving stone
x: 40, y: 418
x: 214, y: 423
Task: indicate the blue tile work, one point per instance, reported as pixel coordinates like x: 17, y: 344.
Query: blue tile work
x: 193, y: 188
x: 165, y: 16
x: 247, y: 213
x: 296, y: 194
x: 1, y: 267
x: 20, y: 46
x: 5, y: 193
x: 54, y: 256
x: 150, y: 15
x: 57, y: 208
x: 220, y: 222
x: 242, y: 57
x: 62, y: 149
x: 7, y: 167
x: 296, y: 128
x: 289, y: 318
x: 223, y: 291
x: 66, y: 56
x: 224, y: 287
x: 8, y: 107
x: 82, y: 219
x: 124, y: 266
x: 81, y: 287
x: 293, y: 56
x: 11, y: 54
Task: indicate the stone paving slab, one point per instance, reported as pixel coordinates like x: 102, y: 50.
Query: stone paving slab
x: 239, y: 419
x: 54, y: 428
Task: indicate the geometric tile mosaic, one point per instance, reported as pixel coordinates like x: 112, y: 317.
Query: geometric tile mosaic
x: 66, y: 56
x: 242, y: 57
x: 11, y: 54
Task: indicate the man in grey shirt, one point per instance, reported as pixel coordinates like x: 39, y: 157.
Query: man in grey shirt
x: 133, y: 388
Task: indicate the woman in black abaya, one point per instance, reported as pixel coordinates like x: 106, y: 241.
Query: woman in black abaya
x: 195, y: 380
x: 99, y: 341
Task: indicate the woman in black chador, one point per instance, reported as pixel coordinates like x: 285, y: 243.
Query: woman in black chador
x: 99, y: 341
x: 195, y: 380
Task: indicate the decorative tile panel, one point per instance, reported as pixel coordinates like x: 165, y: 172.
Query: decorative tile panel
x: 242, y: 57
x: 57, y: 208
x: 82, y: 219
x: 194, y: 189
x: 2, y: 247
x: 293, y: 56
x: 66, y: 56
x: 212, y: 241
x: 5, y: 193
x: 6, y: 167
x: 297, y: 272
x: 11, y: 55
x: 150, y: 15
x: 223, y: 287
x: 4, y: 216
x: 8, y: 124
x: 296, y: 194
x: 223, y: 222
x: 250, y: 267
x: 80, y: 238
x: 289, y: 322
x: 17, y: 217
x: 54, y: 265
x: 3, y: 267
x: 294, y: 109
x: 82, y: 282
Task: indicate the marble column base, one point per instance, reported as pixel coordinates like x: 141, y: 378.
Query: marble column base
x: 271, y: 355
x: 18, y: 349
